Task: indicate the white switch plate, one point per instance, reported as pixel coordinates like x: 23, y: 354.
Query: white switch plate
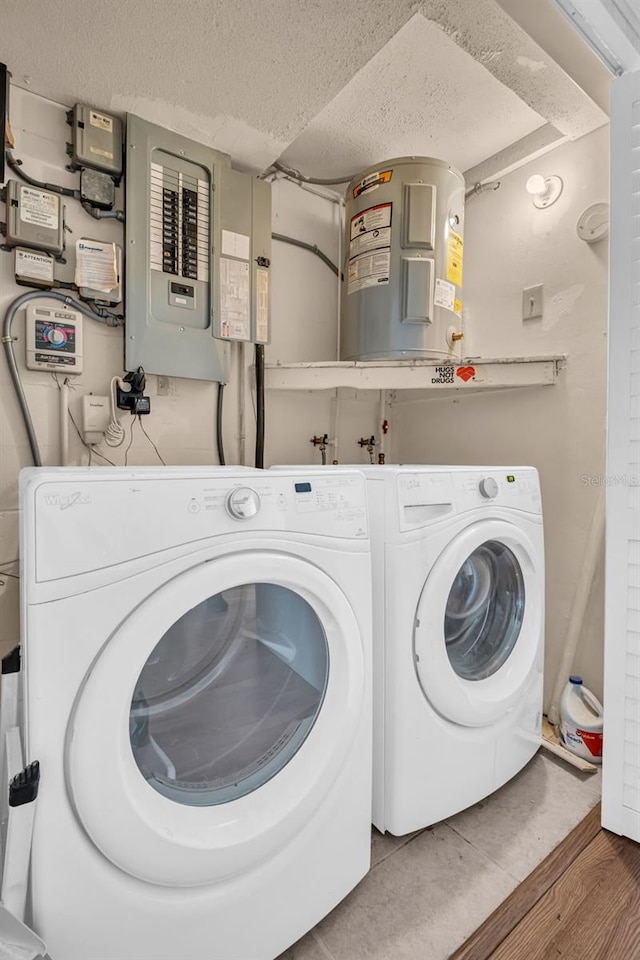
x: 532, y: 302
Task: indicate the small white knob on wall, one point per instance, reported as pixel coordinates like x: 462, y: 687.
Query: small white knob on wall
x: 593, y: 224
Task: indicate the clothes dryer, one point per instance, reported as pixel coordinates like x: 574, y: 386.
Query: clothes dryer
x: 196, y: 669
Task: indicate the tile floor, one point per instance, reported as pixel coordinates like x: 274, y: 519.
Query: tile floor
x: 427, y: 892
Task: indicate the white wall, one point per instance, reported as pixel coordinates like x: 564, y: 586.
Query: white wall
x: 181, y: 424
x: 309, y: 294
x: 509, y: 245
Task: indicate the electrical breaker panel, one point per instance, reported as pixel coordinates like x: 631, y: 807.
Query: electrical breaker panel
x: 197, y: 234
x: 245, y: 257
x: 54, y: 339
x: 35, y: 218
x: 97, y: 140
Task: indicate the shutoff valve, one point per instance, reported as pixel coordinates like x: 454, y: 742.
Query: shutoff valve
x: 370, y: 444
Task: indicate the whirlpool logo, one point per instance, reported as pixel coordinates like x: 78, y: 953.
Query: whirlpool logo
x: 66, y: 500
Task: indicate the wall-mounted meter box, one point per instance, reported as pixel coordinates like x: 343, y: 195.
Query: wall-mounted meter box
x: 193, y: 252
x: 34, y: 218
x: 54, y: 339
x: 245, y: 257
x: 96, y: 141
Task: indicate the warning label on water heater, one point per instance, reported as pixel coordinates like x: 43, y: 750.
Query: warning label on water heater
x: 369, y: 270
x: 370, y: 230
x: 370, y: 248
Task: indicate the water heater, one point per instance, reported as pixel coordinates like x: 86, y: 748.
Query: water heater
x: 402, y: 289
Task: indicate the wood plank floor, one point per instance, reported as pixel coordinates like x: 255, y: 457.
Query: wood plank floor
x: 581, y: 903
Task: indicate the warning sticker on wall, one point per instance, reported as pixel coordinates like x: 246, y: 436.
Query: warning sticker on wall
x: 39, y: 207
x: 445, y: 295
x: 454, y: 258
x: 262, y: 306
x: 235, y: 317
x: 370, y: 229
x: 371, y: 181
x: 369, y: 270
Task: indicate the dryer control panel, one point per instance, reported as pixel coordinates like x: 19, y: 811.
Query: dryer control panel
x: 73, y: 512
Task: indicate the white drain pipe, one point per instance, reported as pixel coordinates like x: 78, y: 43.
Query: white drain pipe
x: 64, y: 423
x: 592, y: 554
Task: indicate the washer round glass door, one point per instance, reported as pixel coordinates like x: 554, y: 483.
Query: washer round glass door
x: 478, y: 624
x: 484, y: 612
x: 216, y: 718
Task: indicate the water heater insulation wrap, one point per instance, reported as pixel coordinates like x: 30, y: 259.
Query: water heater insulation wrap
x: 402, y: 289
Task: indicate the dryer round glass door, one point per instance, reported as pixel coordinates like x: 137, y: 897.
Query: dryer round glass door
x: 229, y: 694
x: 217, y: 717
x: 478, y: 626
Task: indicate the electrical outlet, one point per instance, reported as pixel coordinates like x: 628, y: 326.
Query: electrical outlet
x: 532, y: 302
x: 163, y: 386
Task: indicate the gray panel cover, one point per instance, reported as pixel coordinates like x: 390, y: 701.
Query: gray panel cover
x: 171, y: 317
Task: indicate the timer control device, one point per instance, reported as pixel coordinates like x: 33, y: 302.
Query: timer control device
x: 54, y: 339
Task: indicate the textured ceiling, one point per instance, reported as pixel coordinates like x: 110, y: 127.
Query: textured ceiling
x: 249, y: 76
x: 402, y: 103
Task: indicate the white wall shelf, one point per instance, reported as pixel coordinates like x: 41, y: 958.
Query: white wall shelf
x: 444, y: 376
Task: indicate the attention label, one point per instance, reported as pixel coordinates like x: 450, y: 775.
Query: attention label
x: 34, y: 266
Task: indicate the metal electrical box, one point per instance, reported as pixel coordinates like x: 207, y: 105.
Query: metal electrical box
x: 198, y: 234
x: 245, y: 257
x: 402, y: 292
x: 35, y: 218
x: 96, y: 141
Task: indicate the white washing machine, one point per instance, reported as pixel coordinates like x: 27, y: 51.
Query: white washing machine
x: 458, y: 593
x: 196, y: 674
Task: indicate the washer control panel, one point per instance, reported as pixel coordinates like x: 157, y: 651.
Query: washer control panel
x: 243, y: 503
x: 488, y: 488
x: 512, y: 487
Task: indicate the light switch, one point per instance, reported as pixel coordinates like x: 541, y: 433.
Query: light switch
x: 532, y: 302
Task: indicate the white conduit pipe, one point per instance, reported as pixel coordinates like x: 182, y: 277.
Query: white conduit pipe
x: 335, y: 426
x: 341, y: 212
x: 383, y: 407
x: 64, y: 423
x: 592, y: 554
x: 242, y: 417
